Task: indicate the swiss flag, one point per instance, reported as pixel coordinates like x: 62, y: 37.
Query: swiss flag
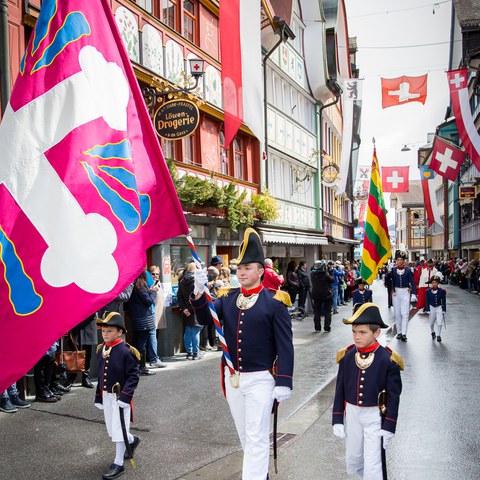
x: 446, y: 159
x: 401, y: 90
x: 395, y: 179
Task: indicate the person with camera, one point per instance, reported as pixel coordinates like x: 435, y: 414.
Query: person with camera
x: 321, y: 295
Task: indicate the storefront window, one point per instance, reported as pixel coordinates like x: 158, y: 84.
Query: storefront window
x: 180, y: 255
x: 223, y: 155
x: 224, y: 233
x: 170, y: 13
x: 189, y: 20
x: 169, y: 149
x: 199, y: 231
x: 146, y: 5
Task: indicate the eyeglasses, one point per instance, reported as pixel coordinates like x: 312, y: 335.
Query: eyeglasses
x: 155, y: 274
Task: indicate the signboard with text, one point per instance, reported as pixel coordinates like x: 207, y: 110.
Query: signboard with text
x: 176, y: 119
x: 467, y: 192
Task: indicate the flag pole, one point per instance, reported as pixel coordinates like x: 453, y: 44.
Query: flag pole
x: 216, y: 321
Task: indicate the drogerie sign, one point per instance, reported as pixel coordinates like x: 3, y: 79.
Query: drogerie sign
x: 176, y: 119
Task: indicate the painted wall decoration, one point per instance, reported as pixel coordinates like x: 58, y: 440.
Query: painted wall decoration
x: 174, y: 65
x: 213, y: 86
x: 128, y: 26
x: 152, y: 49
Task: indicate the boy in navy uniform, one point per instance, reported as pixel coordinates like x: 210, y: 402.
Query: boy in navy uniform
x: 436, y: 306
x: 258, y: 332
x: 361, y: 294
x: 118, y: 363
x: 366, y: 369
x: 403, y: 292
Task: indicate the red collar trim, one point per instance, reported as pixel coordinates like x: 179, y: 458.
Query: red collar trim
x: 253, y: 290
x: 112, y: 344
x: 369, y: 349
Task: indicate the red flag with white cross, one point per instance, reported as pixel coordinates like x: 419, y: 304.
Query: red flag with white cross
x: 446, y: 159
x: 395, y: 179
x: 401, y: 90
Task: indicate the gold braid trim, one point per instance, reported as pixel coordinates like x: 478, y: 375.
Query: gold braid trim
x: 395, y: 357
x: 340, y: 355
x: 99, y: 346
x: 135, y: 352
x: 224, y: 291
x: 283, y: 297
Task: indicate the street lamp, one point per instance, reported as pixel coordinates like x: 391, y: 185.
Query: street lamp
x: 151, y: 94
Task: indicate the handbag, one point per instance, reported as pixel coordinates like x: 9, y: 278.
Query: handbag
x: 73, y: 360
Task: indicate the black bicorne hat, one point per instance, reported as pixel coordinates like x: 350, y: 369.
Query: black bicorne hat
x: 251, y: 249
x: 400, y: 254
x: 365, y: 314
x: 112, y: 319
x: 360, y: 281
x: 434, y: 278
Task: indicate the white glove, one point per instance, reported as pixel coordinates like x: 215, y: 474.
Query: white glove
x: 413, y: 298
x: 99, y: 406
x: 123, y: 404
x: 339, y: 430
x: 280, y: 394
x: 201, y: 279
x: 387, y: 437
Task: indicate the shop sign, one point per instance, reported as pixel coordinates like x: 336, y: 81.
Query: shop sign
x: 278, y: 251
x: 176, y: 119
x: 297, y: 252
x: 467, y: 192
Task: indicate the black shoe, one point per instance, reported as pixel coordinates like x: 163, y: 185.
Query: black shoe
x: 433, y: 335
x: 404, y: 338
x: 55, y: 392
x: 7, y: 406
x: 189, y: 355
x: 327, y: 329
x: 399, y: 336
x: 133, y: 446
x: 114, y: 471
x: 145, y: 371
x: 61, y: 388
x: 49, y: 392
x: 439, y: 338
x: 19, y: 403
x: 46, y: 398
x: 86, y: 381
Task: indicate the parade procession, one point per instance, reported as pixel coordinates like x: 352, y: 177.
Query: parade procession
x: 239, y: 239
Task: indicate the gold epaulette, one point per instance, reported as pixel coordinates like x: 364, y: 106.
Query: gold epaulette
x: 99, y: 346
x: 283, y: 297
x: 395, y: 357
x: 341, y: 353
x: 135, y: 352
x: 224, y: 291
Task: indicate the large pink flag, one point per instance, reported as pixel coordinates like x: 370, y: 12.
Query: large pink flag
x: 84, y: 188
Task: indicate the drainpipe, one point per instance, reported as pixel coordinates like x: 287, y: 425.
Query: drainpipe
x: 4, y: 57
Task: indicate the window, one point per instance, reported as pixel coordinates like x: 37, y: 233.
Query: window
x: 223, y: 155
x: 189, y: 20
x: 239, y: 157
x: 189, y: 149
x: 169, y: 149
x: 170, y: 13
x: 146, y: 5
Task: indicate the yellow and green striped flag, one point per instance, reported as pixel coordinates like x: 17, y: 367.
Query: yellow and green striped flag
x: 376, y: 242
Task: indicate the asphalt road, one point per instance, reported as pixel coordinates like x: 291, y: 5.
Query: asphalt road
x: 187, y: 432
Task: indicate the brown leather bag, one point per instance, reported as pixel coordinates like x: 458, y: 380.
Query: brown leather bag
x: 73, y: 360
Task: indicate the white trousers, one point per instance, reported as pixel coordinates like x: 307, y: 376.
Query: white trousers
x: 436, y: 313
x: 112, y: 418
x: 362, y: 442
x: 401, y: 305
x: 251, y: 408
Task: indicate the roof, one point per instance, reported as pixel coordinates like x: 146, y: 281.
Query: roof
x: 468, y: 12
x: 414, y: 196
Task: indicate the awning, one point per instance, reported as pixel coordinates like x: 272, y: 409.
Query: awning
x: 347, y: 240
x: 278, y: 236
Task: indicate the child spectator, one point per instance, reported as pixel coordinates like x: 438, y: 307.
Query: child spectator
x: 366, y: 369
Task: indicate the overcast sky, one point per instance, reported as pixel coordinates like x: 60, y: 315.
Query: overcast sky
x: 394, y: 38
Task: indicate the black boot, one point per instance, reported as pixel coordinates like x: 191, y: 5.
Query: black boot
x: 71, y: 377
x: 85, y: 380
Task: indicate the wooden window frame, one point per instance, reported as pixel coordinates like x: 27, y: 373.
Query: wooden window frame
x: 193, y: 17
